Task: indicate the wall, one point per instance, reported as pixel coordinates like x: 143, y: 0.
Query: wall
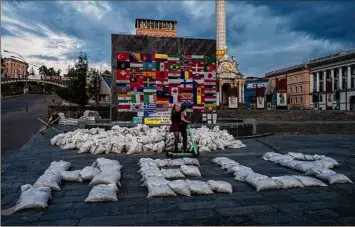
x: 14, y: 68
x: 250, y: 88
x: 298, y: 89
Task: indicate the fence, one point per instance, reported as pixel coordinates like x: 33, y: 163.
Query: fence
x: 78, y: 111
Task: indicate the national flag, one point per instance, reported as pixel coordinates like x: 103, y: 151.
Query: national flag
x: 161, y: 75
x: 187, y: 58
x: 162, y: 100
x: 187, y: 104
x: 162, y: 91
x: 210, y: 99
x: 122, y: 82
x: 162, y: 66
x: 199, y: 82
x: 210, y: 75
x: 149, y: 81
x: 137, y: 98
x: 210, y: 60
x: 185, y: 75
x: 197, y: 75
x: 136, y: 107
x: 210, y: 106
x: 174, y: 75
x: 173, y: 66
x: 210, y: 82
x: 135, y: 57
x: 124, y: 97
x: 210, y: 68
x: 136, y: 65
x: 185, y: 66
x: 122, y: 89
x: 123, y: 106
x: 136, y: 82
x: 150, y: 99
x: 148, y: 57
x: 149, y: 74
x: 210, y: 90
x: 198, y: 107
x: 123, y: 65
x: 173, y: 89
x: 186, y: 96
x: 186, y: 83
x: 136, y: 72
x: 122, y: 56
x: 173, y: 99
x: 149, y: 90
x: 174, y: 57
x: 196, y: 66
x: 198, y: 95
x: 150, y: 107
x: 122, y: 74
x: 151, y: 66
x: 161, y: 56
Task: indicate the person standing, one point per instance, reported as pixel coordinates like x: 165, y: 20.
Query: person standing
x: 175, y: 124
x: 184, y: 122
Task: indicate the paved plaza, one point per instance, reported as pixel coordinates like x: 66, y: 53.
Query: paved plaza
x: 333, y: 205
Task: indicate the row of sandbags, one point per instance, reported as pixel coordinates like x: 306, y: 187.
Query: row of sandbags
x: 104, y: 175
x: 158, y: 185
x: 140, y: 139
x: 312, y: 165
x: 262, y: 182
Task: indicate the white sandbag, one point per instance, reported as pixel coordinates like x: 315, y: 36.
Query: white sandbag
x: 268, y: 155
x: 159, y: 147
x: 254, y: 176
x: 235, y: 168
x: 142, y: 160
x: 106, y: 161
x: 172, y: 173
x: 191, y: 161
x: 191, y: 171
x: 89, y: 172
x: 308, y: 157
x: 72, y: 176
x: 304, y: 166
x: 180, y: 187
x: 55, y: 138
x: 117, y: 148
x: 59, y: 166
x: 160, y: 191
x: 49, y: 179
x: 93, y: 148
x: 85, y: 147
x: 69, y: 146
x: 334, y: 178
x: 288, y: 182
x: 148, y: 148
x: 242, y: 174
x: 335, y: 163
x: 229, y: 165
x: 324, y: 163
x: 102, y: 193
x: 266, y: 184
x: 220, y: 186
x: 275, y: 158
x: 134, y: 148
x: 199, y: 187
x: 110, y: 167
x: 289, y: 163
x: 151, y: 173
x: 163, y: 162
x: 218, y: 160
x: 310, y: 181
x: 204, y: 149
x: 101, y: 149
x: 147, y: 168
x: 285, y: 158
x: 177, y: 162
x: 155, y: 181
x: 297, y: 155
x: 30, y: 198
x: 106, y: 177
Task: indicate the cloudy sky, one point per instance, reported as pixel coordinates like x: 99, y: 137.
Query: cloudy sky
x: 263, y: 35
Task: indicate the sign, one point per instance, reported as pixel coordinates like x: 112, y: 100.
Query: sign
x: 137, y: 120
x: 281, y: 99
x: 329, y: 100
x: 153, y: 118
x: 260, y: 103
x: 233, y: 102
x: 255, y: 85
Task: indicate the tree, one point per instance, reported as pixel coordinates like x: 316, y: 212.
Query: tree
x: 107, y: 72
x: 43, y: 70
x: 76, y: 92
x: 58, y: 72
x: 32, y: 71
x: 94, y: 83
x: 51, y: 72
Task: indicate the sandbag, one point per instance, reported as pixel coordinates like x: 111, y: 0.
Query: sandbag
x: 163, y: 162
x: 30, y: 198
x: 220, y: 186
x: 85, y: 147
x: 242, y: 174
x: 89, y: 172
x: 199, y: 187
x: 314, y: 171
x: 304, y: 166
x: 100, y: 149
x: 218, y: 160
x: 191, y: 171
x: 268, y: 155
x: 177, y: 162
x: 72, y: 176
x: 147, y: 168
x: 335, y: 163
x: 310, y: 181
x: 334, y: 178
x: 160, y: 191
x: 324, y: 163
x: 117, y: 148
x: 288, y: 182
x: 308, y: 157
x: 235, y: 168
x: 275, y: 158
x: 155, y: 181
x: 191, y: 161
x: 134, y: 148
x: 228, y: 165
x: 266, y: 184
x: 254, y: 176
x: 204, y: 149
x: 296, y: 155
x: 180, y: 187
x: 102, y: 193
x: 69, y: 146
x: 59, y: 166
x: 49, y: 179
x: 151, y: 173
x: 172, y: 173
x: 107, y: 177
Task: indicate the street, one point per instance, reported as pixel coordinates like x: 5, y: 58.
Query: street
x: 17, y: 125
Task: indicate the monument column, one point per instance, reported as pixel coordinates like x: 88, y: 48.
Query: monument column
x: 220, y: 28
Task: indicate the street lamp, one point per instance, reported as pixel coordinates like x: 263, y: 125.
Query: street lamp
x: 26, y: 85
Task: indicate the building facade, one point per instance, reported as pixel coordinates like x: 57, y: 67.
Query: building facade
x: 251, y: 91
x: 14, y: 68
x: 332, y: 81
x: 158, y: 28
x: 297, y: 80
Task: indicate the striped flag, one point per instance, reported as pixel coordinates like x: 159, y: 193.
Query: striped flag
x: 187, y: 58
x: 150, y: 89
x: 123, y: 106
x: 151, y: 66
x: 136, y: 65
x: 174, y: 57
x: 161, y: 56
x: 187, y: 83
x: 149, y: 74
x: 198, y: 107
x: 150, y: 98
x: 135, y: 58
x: 162, y: 66
x: 173, y: 99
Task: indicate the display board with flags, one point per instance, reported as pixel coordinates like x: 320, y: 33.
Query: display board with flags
x: 151, y: 82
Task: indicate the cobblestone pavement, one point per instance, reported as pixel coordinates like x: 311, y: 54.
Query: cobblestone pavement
x: 333, y: 205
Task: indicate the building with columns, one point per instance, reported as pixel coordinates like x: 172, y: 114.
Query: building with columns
x: 157, y: 28
x: 230, y: 80
x: 332, y: 81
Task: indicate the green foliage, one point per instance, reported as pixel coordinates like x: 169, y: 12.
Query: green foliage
x: 94, y: 83
x: 107, y: 72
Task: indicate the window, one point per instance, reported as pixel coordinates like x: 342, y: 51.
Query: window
x: 301, y: 88
x: 320, y: 98
x: 296, y: 89
x: 301, y: 100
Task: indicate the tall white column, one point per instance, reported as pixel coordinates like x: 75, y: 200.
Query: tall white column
x: 324, y: 80
x: 221, y: 25
x: 317, y: 81
x: 243, y: 101
x: 311, y: 79
x: 332, y: 75
x: 349, y: 77
x: 340, y: 78
x: 240, y: 92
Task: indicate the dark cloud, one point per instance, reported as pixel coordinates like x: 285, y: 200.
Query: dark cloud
x: 49, y: 58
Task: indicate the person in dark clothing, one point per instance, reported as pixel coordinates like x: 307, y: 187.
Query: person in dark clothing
x: 175, y: 124
x: 184, y: 122
x: 54, y: 119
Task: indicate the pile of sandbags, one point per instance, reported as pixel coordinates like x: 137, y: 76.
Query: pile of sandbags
x: 263, y: 182
x: 88, y: 114
x: 157, y: 183
x: 312, y: 165
x: 140, y: 139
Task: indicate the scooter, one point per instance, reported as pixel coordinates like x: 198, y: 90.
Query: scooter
x: 193, y: 150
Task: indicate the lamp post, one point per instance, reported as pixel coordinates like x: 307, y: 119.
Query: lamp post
x: 26, y: 84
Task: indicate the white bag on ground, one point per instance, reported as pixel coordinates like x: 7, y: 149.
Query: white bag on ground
x: 31, y: 197
x: 155, y: 181
x: 288, y: 182
x: 117, y: 148
x: 191, y: 161
x: 242, y: 174
x: 191, y: 171
x: 310, y: 181
x: 297, y: 155
x: 199, y: 187
x: 220, y: 186
x: 172, y: 173
x: 89, y: 172
x: 266, y: 184
x: 219, y: 160
x: 229, y: 165
x: 318, y: 170
x: 102, y: 193
x: 134, y: 148
x: 177, y: 162
x: 107, y: 177
x: 254, y: 176
x: 304, y: 166
x: 163, y: 162
x: 334, y: 178
x: 151, y: 173
x: 49, y: 179
x: 268, y: 155
x: 147, y: 168
x: 159, y: 191
x: 85, y: 147
x: 59, y: 166
x: 180, y: 187
x: 72, y: 175
x: 235, y: 168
